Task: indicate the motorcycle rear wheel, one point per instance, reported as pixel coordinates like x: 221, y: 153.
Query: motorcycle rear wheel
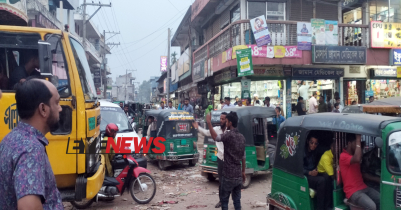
x: 84, y: 204
x: 135, y: 188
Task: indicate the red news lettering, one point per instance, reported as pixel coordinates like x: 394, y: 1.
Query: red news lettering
x: 142, y: 144
x: 125, y: 144
x: 111, y: 143
x: 159, y: 144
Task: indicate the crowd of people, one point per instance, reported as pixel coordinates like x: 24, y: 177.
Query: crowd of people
x: 355, y: 170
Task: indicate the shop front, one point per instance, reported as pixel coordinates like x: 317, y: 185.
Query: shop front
x: 354, y: 85
x: 326, y: 81
x: 383, y: 83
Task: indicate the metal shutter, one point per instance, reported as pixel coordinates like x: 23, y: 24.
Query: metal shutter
x: 225, y: 17
x: 327, y: 10
x: 301, y: 10
x: 216, y: 26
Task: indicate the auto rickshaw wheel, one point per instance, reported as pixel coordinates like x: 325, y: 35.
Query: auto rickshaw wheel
x: 161, y: 164
x: 193, y: 162
x: 82, y: 204
x: 211, y: 177
x: 247, y: 181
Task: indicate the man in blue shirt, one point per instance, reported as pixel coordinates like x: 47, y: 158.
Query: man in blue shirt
x: 279, y: 118
x: 27, y: 180
x: 227, y: 103
x: 188, y: 107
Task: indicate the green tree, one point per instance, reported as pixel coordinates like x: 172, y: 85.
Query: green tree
x: 173, y: 58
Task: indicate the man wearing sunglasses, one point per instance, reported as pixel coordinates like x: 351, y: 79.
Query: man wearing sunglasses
x: 316, y: 181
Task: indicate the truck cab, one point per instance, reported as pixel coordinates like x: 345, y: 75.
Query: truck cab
x: 73, y: 149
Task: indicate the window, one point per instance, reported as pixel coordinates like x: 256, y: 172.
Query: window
x: 235, y: 14
x: 272, y: 10
x: 201, y: 40
x: 84, y: 72
x: 59, y: 66
x: 116, y: 116
x: 394, y: 155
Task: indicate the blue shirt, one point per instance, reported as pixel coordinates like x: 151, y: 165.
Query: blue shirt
x: 25, y: 169
x: 280, y: 120
x: 189, y: 108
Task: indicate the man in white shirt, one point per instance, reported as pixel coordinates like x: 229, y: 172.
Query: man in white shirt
x: 227, y: 103
x: 267, y: 103
x: 170, y: 105
x: 220, y: 106
x: 313, y: 104
x: 304, y: 89
x: 239, y: 103
x: 220, y: 146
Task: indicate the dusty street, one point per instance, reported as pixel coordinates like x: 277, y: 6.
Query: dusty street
x: 182, y: 187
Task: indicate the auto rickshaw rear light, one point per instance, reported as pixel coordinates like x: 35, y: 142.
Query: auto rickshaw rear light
x: 171, y: 147
x: 204, y: 154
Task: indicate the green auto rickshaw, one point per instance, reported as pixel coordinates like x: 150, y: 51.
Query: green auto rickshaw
x: 381, y: 135
x: 256, y: 124
x: 181, y: 137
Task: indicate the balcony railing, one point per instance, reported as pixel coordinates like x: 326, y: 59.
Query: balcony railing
x: 281, y: 32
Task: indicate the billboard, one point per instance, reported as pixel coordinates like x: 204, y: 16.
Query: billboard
x: 385, y: 35
x: 163, y: 63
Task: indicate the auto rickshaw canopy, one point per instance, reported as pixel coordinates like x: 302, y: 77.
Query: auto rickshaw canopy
x: 293, y: 134
x: 166, y: 118
x: 245, y: 119
x: 386, y: 105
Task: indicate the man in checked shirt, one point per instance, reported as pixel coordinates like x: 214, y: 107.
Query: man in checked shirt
x: 234, y: 152
x: 220, y: 147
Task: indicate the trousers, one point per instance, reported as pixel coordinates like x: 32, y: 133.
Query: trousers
x: 367, y: 198
x: 230, y: 186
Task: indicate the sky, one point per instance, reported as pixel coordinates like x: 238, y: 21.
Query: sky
x: 143, y: 33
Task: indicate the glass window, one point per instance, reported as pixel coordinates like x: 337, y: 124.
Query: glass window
x: 235, y: 14
x: 231, y: 90
x: 114, y: 115
x: 256, y: 9
x: 394, y: 155
x: 275, y: 11
x: 84, y: 72
x: 59, y: 67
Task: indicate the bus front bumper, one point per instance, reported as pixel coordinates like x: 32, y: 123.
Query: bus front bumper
x: 95, y: 182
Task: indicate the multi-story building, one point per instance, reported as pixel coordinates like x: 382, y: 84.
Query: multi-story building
x: 340, y: 56
x: 123, y: 89
x: 154, y: 90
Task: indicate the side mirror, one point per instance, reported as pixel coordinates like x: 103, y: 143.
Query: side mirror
x: 133, y: 125
x: 379, y: 142
x: 45, y: 58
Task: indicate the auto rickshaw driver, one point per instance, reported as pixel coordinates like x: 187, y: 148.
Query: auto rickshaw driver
x: 152, y: 127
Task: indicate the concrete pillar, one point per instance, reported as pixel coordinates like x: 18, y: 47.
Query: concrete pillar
x: 365, y: 13
x: 61, y: 14
x: 340, y: 11
x: 314, y: 9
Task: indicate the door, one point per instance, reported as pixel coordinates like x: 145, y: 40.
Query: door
x: 63, y: 165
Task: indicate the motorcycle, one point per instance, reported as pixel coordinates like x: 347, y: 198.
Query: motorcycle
x: 127, y: 175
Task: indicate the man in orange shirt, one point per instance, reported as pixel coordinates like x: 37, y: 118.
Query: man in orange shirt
x: 350, y: 166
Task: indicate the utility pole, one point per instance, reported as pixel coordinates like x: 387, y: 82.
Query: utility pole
x: 104, y: 59
x: 126, y: 82
x: 168, y: 67
x: 84, y: 20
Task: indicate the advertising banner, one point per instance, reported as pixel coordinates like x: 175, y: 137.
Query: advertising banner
x: 385, y: 35
x: 244, y: 62
x: 245, y: 88
x: 398, y: 72
x: 292, y: 52
x: 338, y: 54
x: 163, y: 63
x: 260, y: 31
x: 235, y: 48
x: 279, y: 51
x: 318, y: 31
x: 331, y: 32
x: 198, y: 73
x: 304, y: 36
x: 395, y: 57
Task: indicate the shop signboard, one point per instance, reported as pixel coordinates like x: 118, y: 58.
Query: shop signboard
x: 318, y: 72
x: 384, y: 72
x: 244, y: 62
x: 225, y: 76
x: 279, y: 51
x: 274, y: 71
x: 199, y: 70
x: 385, y: 35
x: 338, y: 54
x: 318, y: 32
x: 245, y: 88
x: 304, y: 36
x: 260, y: 31
x: 331, y: 32
x: 395, y: 57
x: 163, y: 63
